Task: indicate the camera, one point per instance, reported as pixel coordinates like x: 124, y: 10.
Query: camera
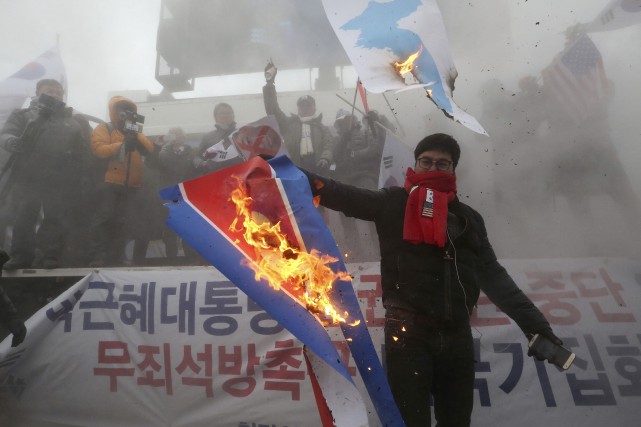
x: 49, y: 105
x: 133, y: 120
x: 553, y: 353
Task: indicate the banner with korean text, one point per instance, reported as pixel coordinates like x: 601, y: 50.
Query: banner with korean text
x: 185, y: 347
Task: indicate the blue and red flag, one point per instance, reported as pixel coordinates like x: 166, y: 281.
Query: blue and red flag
x: 202, y: 212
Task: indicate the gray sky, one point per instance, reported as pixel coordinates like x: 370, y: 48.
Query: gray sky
x: 111, y: 46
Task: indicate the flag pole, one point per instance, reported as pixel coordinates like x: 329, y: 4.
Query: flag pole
x: 400, y: 127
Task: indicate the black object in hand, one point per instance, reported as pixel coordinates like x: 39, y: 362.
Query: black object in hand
x: 270, y: 72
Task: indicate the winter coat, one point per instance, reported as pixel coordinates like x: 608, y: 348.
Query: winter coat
x: 442, y: 284
x: 358, y: 155
x: 124, y: 168
x: 52, y: 149
x: 291, y: 129
x: 175, y: 165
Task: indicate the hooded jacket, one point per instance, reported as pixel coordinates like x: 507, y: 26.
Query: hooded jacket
x: 108, y: 145
x: 442, y: 284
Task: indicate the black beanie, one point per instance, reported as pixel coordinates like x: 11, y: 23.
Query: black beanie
x: 439, y: 142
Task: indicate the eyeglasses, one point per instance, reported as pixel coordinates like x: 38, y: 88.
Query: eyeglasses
x: 427, y: 162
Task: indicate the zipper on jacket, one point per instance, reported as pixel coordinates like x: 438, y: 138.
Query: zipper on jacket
x: 447, y: 282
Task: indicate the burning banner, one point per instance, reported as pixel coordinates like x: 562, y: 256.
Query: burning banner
x: 398, y: 45
x: 257, y: 224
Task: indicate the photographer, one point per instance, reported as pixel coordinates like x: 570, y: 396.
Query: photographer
x: 48, y: 155
x: 122, y: 144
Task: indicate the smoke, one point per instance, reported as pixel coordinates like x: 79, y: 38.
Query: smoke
x: 545, y: 190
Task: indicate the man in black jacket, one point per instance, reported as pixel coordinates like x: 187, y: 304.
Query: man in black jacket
x: 435, y: 260
x: 49, y: 151
x: 220, y: 140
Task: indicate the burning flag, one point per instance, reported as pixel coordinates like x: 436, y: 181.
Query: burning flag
x: 256, y: 223
x: 379, y: 35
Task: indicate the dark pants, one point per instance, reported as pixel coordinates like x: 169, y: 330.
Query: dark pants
x: 49, y: 238
x: 423, y: 359
x: 108, y: 224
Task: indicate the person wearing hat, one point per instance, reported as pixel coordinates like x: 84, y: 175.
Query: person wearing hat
x: 308, y: 141
x: 435, y: 260
x: 123, y: 145
x: 49, y: 151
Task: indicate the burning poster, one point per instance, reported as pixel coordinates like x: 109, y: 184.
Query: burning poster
x: 257, y: 224
x: 397, y: 45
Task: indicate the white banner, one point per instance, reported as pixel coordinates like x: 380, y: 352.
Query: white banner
x: 396, y: 158
x: 187, y: 348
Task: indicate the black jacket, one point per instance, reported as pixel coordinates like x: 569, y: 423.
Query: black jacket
x: 53, y: 148
x: 440, y: 283
x: 176, y: 165
x: 357, y: 154
x: 210, y: 139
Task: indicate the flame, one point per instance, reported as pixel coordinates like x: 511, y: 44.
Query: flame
x: 282, y: 263
x: 408, y: 64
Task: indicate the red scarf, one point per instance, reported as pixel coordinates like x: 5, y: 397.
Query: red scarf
x: 426, y: 209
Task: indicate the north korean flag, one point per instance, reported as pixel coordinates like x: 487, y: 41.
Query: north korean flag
x: 201, y: 212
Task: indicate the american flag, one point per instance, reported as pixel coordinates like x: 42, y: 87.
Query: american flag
x: 575, y: 82
x: 428, y: 205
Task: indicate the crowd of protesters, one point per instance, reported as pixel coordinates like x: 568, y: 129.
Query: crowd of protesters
x: 74, y: 195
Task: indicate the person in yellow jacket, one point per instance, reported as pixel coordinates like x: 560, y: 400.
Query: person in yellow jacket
x: 122, y: 146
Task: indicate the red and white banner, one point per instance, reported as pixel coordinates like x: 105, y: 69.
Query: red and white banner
x: 17, y: 88
x: 187, y: 348
x: 618, y: 14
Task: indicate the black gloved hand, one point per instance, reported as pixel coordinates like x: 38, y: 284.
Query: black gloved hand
x: 13, y: 145
x: 270, y: 72
x: 547, y: 333
x: 17, y: 328
x: 131, y: 142
x: 373, y: 116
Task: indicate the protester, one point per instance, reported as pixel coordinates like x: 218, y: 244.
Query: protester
x: 219, y: 141
x: 176, y: 165
x: 357, y: 153
x: 8, y: 314
x: 47, y: 167
x: 175, y: 158
x: 124, y: 146
x: 435, y: 260
x: 308, y: 141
